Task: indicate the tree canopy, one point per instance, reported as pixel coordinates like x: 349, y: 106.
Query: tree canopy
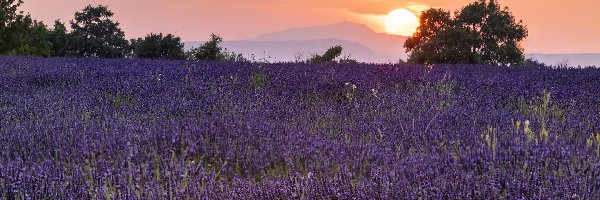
x: 328, y: 56
x: 60, y: 39
x: 8, y: 17
x: 19, y: 33
x: 157, y: 46
x: 480, y: 33
x: 210, y: 50
x: 96, y: 34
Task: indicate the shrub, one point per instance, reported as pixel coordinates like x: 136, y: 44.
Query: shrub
x: 209, y: 51
x: 328, y: 56
x: 157, y: 46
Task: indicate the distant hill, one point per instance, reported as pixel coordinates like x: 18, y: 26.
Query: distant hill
x: 583, y: 59
x: 291, y: 50
x: 380, y: 43
x: 358, y: 40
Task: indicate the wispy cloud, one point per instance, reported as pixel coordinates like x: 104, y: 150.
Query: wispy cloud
x: 417, y: 7
x: 369, y: 12
x: 375, y: 7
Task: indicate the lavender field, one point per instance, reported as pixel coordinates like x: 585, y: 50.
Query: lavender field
x: 148, y: 129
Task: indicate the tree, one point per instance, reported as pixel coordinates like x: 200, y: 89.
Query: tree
x: 425, y: 45
x: 8, y: 16
x: 480, y: 33
x: 157, y: 46
x: 60, y: 39
x: 328, y: 56
x: 210, y: 50
x: 96, y: 35
x: 19, y: 33
x: 8, y: 11
x: 33, y: 41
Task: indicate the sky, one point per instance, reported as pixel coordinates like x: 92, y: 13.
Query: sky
x: 554, y: 26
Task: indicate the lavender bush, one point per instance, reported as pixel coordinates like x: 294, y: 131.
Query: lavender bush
x: 147, y: 129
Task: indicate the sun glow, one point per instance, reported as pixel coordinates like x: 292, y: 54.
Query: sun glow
x: 401, y: 22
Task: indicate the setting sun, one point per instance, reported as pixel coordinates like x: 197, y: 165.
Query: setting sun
x: 401, y: 22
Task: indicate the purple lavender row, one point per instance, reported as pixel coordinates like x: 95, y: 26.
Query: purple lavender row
x: 148, y: 129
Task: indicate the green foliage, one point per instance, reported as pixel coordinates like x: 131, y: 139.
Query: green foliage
x: 19, y: 33
x: 423, y: 45
x: 594, y: 139
x: 233, y: 57
x: 119, y: 99
x: 328, y: 56
x: 33, y: 42
x: 8, y: 11
x: 96, y: 35
x: 541, y: 111
x: 209, y: 51
x: 531, y: 62
x: 60, y: 82
x: 259, y: 80
x: 347, y: 59
x: 60, y: 39
x: 490, y: 138
x: 332, y: 53
x: 481, y: 33
x: 8, y: 17
x: 157, y: 46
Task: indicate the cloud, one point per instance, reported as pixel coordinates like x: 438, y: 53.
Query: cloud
x: 373, y: 21
x: 417, y: 7
x: 369, y: 12
x: 376, y: 7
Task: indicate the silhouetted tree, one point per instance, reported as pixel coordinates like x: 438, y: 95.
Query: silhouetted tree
x: 328, y: 56
x: 210, y: 50
x: 480, y: 33
x: 95, y: 34
x: 157, y: 46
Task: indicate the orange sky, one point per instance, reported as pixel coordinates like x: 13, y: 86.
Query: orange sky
x: 554, y: 26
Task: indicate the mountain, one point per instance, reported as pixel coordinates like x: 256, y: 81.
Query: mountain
x: 582, y: 59
x: 293, y: 50
x: 380, y: 43
x: 357, y: 40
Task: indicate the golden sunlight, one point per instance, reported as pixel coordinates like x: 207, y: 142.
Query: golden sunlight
x: 401, y: 22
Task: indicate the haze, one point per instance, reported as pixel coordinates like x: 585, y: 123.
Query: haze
x: 554, y: 26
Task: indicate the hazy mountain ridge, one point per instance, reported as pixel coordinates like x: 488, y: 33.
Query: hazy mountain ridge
x: 380, y: 43
x: 294, y: 50
x: 581, y: 59
x: 358, y: 41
